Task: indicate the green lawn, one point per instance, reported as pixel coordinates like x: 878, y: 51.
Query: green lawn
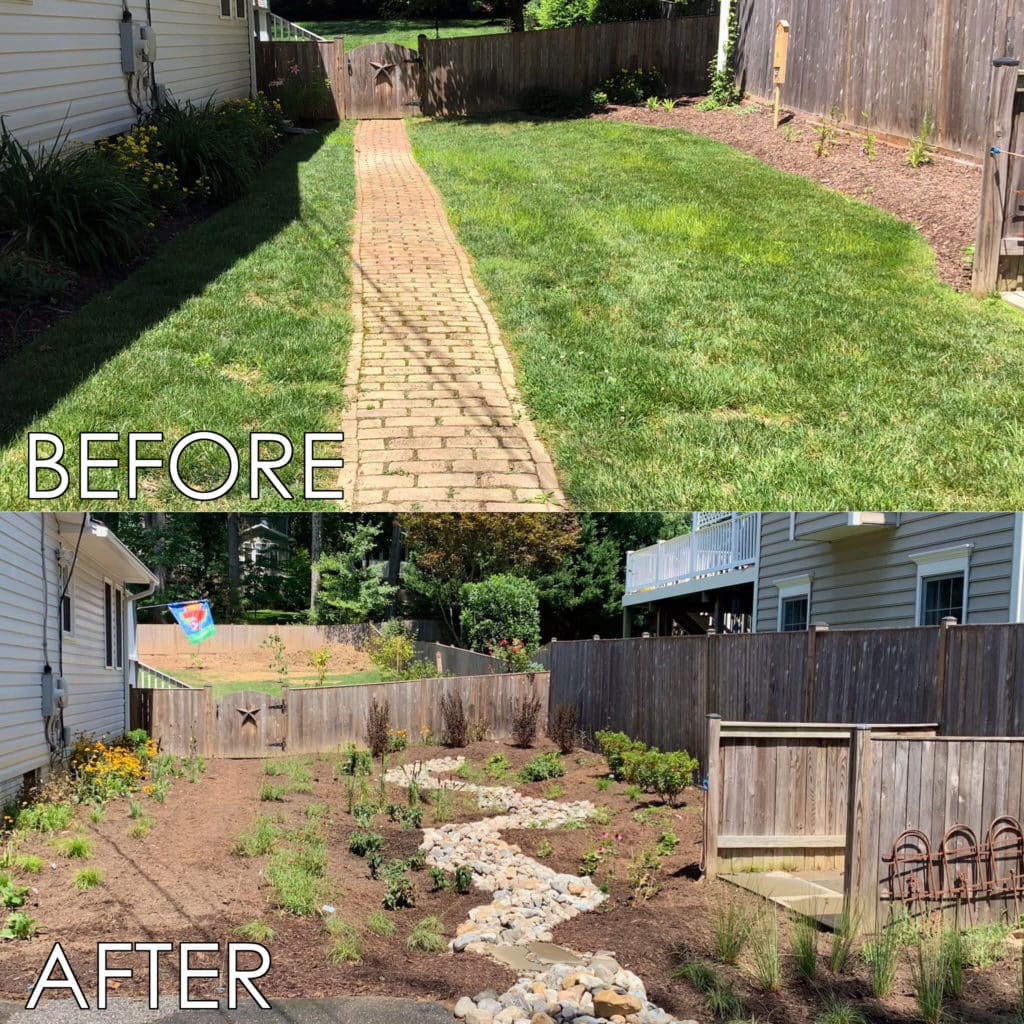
x: 273, y: 686
x: 239, y: 324
x: 694, y: 329
x: 405, y: 31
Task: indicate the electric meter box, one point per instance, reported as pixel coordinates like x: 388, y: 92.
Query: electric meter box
x: 138, y: 46
x: 55, y: 693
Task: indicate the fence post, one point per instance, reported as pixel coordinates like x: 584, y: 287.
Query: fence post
x: 210, y: 725
x: 812, y: 652
x: 994, y: 184
x: 712, y: 796
x: 947, y: 622
x: 858, y: 876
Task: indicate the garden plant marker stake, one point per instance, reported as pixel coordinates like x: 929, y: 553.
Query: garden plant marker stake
x: 779, y: 63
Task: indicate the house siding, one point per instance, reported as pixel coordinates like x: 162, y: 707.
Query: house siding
x: 869, y: 580
x: 60, y: 62
x: 96, y: 694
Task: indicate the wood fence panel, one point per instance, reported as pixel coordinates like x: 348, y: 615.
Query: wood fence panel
x: 891, y: 60
x: 932, y: 784
x: 984, y: 692
x: 487, y: 74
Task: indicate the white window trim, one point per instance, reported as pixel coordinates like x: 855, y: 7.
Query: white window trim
x: 942, y: 562
x: 793, y: 586
x: 230, y: 16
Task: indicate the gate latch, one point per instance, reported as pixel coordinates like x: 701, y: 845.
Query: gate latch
x: 277, y: 743
x: 282, y: 706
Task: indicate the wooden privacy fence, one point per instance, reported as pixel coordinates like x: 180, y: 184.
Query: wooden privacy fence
x: 777, y: 795
x: 487, y: 74
x: 969, y: 679
x: 885, y: 62
x: 154, y: 640
x: 913, y: 821
x: 951, y: 791
x: 316, y: 719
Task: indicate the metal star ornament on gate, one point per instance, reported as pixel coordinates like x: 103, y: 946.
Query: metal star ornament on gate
x: 248, y: 714
x: 382, y: 69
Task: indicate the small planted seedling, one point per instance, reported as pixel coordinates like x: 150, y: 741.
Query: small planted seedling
x: 805, y: 945
x: 87, y: 878
x: 463, y: 879
x: 27, y: 862
x: 427, y: 936
x: 258, y: 931
x: 919, y: 151
x: 380, y: 924
x: 18, y: 926
x: 764, y: 945
x: 346, y: 947
x: 837, y: 1011
x: 731, y: 927
x: 257, y: 840
x: 544, y: 849
x: 75, y: 848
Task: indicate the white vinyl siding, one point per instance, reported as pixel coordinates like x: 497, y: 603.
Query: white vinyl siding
x: 60, y: 62
x: 96, y: 694
x: 870, y: 580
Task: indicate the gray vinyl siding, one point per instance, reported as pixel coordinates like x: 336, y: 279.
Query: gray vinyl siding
x: 60, y: 62
x: 96, y: 694
x: 869, y: 580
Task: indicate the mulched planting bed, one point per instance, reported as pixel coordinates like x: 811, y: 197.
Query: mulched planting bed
x: 183, y: 883
x: 940, y: 199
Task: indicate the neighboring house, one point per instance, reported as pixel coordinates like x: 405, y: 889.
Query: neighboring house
x: 67, y: 593
x: 264, y: 541
x: 763, y: 571
x: 63, y: 72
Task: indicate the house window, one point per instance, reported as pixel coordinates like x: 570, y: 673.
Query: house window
x: 240, y: 8
x: 225, y: 8
x: 794, y: 614
x: 942, y: 584
x: 942, y: 596
x: 67, y: 603
x: 113, y: 621
x: 794, y: 603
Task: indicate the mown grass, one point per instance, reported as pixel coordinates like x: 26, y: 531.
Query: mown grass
x: 694, y: 329
x: 272, y: 686
x: 239, y: 324
x: 404, y: 31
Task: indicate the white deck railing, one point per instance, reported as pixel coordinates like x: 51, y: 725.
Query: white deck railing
x: 281, y: 29
x: 149, y: 678
x: 724, y: 542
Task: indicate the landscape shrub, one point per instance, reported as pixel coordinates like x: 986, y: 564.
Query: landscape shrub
x: 427, y: 936
x: 378, y: 727
x: 501, y: 607
x: 666, y: 774
x: 354, y: 762
x: 454, y: 727
x: 363, y: 842
x: 562, y: 729
x: 614, y: 747
x: 214, y: 157
x: 542, y: 767
x: 525, y: 717
x: 393, y: 650
x: 634, y: 85
x: 399, y: 893
x: 133, y: 152
x: 562, y: 13
x: 68, y: 203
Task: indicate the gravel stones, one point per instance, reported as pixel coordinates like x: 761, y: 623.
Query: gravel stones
x: 528, y: 899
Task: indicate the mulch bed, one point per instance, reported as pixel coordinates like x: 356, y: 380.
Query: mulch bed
x: 940, y: 199
x: 181, y: 883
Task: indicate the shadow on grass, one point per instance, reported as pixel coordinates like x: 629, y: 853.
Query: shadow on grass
x: 52, y: 365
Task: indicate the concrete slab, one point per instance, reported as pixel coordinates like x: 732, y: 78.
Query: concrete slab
x: 549, y: 953
x: 1014, y: 299
x: 816, y: 894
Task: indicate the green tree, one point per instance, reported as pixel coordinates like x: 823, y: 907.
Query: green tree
x: 449, y: 550
x: 498, y: 610
x: 352, y: 587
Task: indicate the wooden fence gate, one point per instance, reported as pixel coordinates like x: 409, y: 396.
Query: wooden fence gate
x: 383, y: 81
x: 250, y: 724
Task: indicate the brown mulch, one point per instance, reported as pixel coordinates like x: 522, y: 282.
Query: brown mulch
x: 181, y: 883
x: 940, y: 199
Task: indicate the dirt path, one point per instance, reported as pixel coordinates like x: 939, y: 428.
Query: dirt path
x: 434, y: 416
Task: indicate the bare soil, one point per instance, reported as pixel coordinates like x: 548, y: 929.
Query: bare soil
x: 182, y: 883
x: 940, y: 199
x: 201, y: 667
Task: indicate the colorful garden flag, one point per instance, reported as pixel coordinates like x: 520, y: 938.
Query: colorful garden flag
x: 195, y: 618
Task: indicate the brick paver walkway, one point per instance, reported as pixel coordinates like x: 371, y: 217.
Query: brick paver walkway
x: 434, y: 418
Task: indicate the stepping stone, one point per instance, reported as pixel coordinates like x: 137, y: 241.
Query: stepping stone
x: 549, y: 953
